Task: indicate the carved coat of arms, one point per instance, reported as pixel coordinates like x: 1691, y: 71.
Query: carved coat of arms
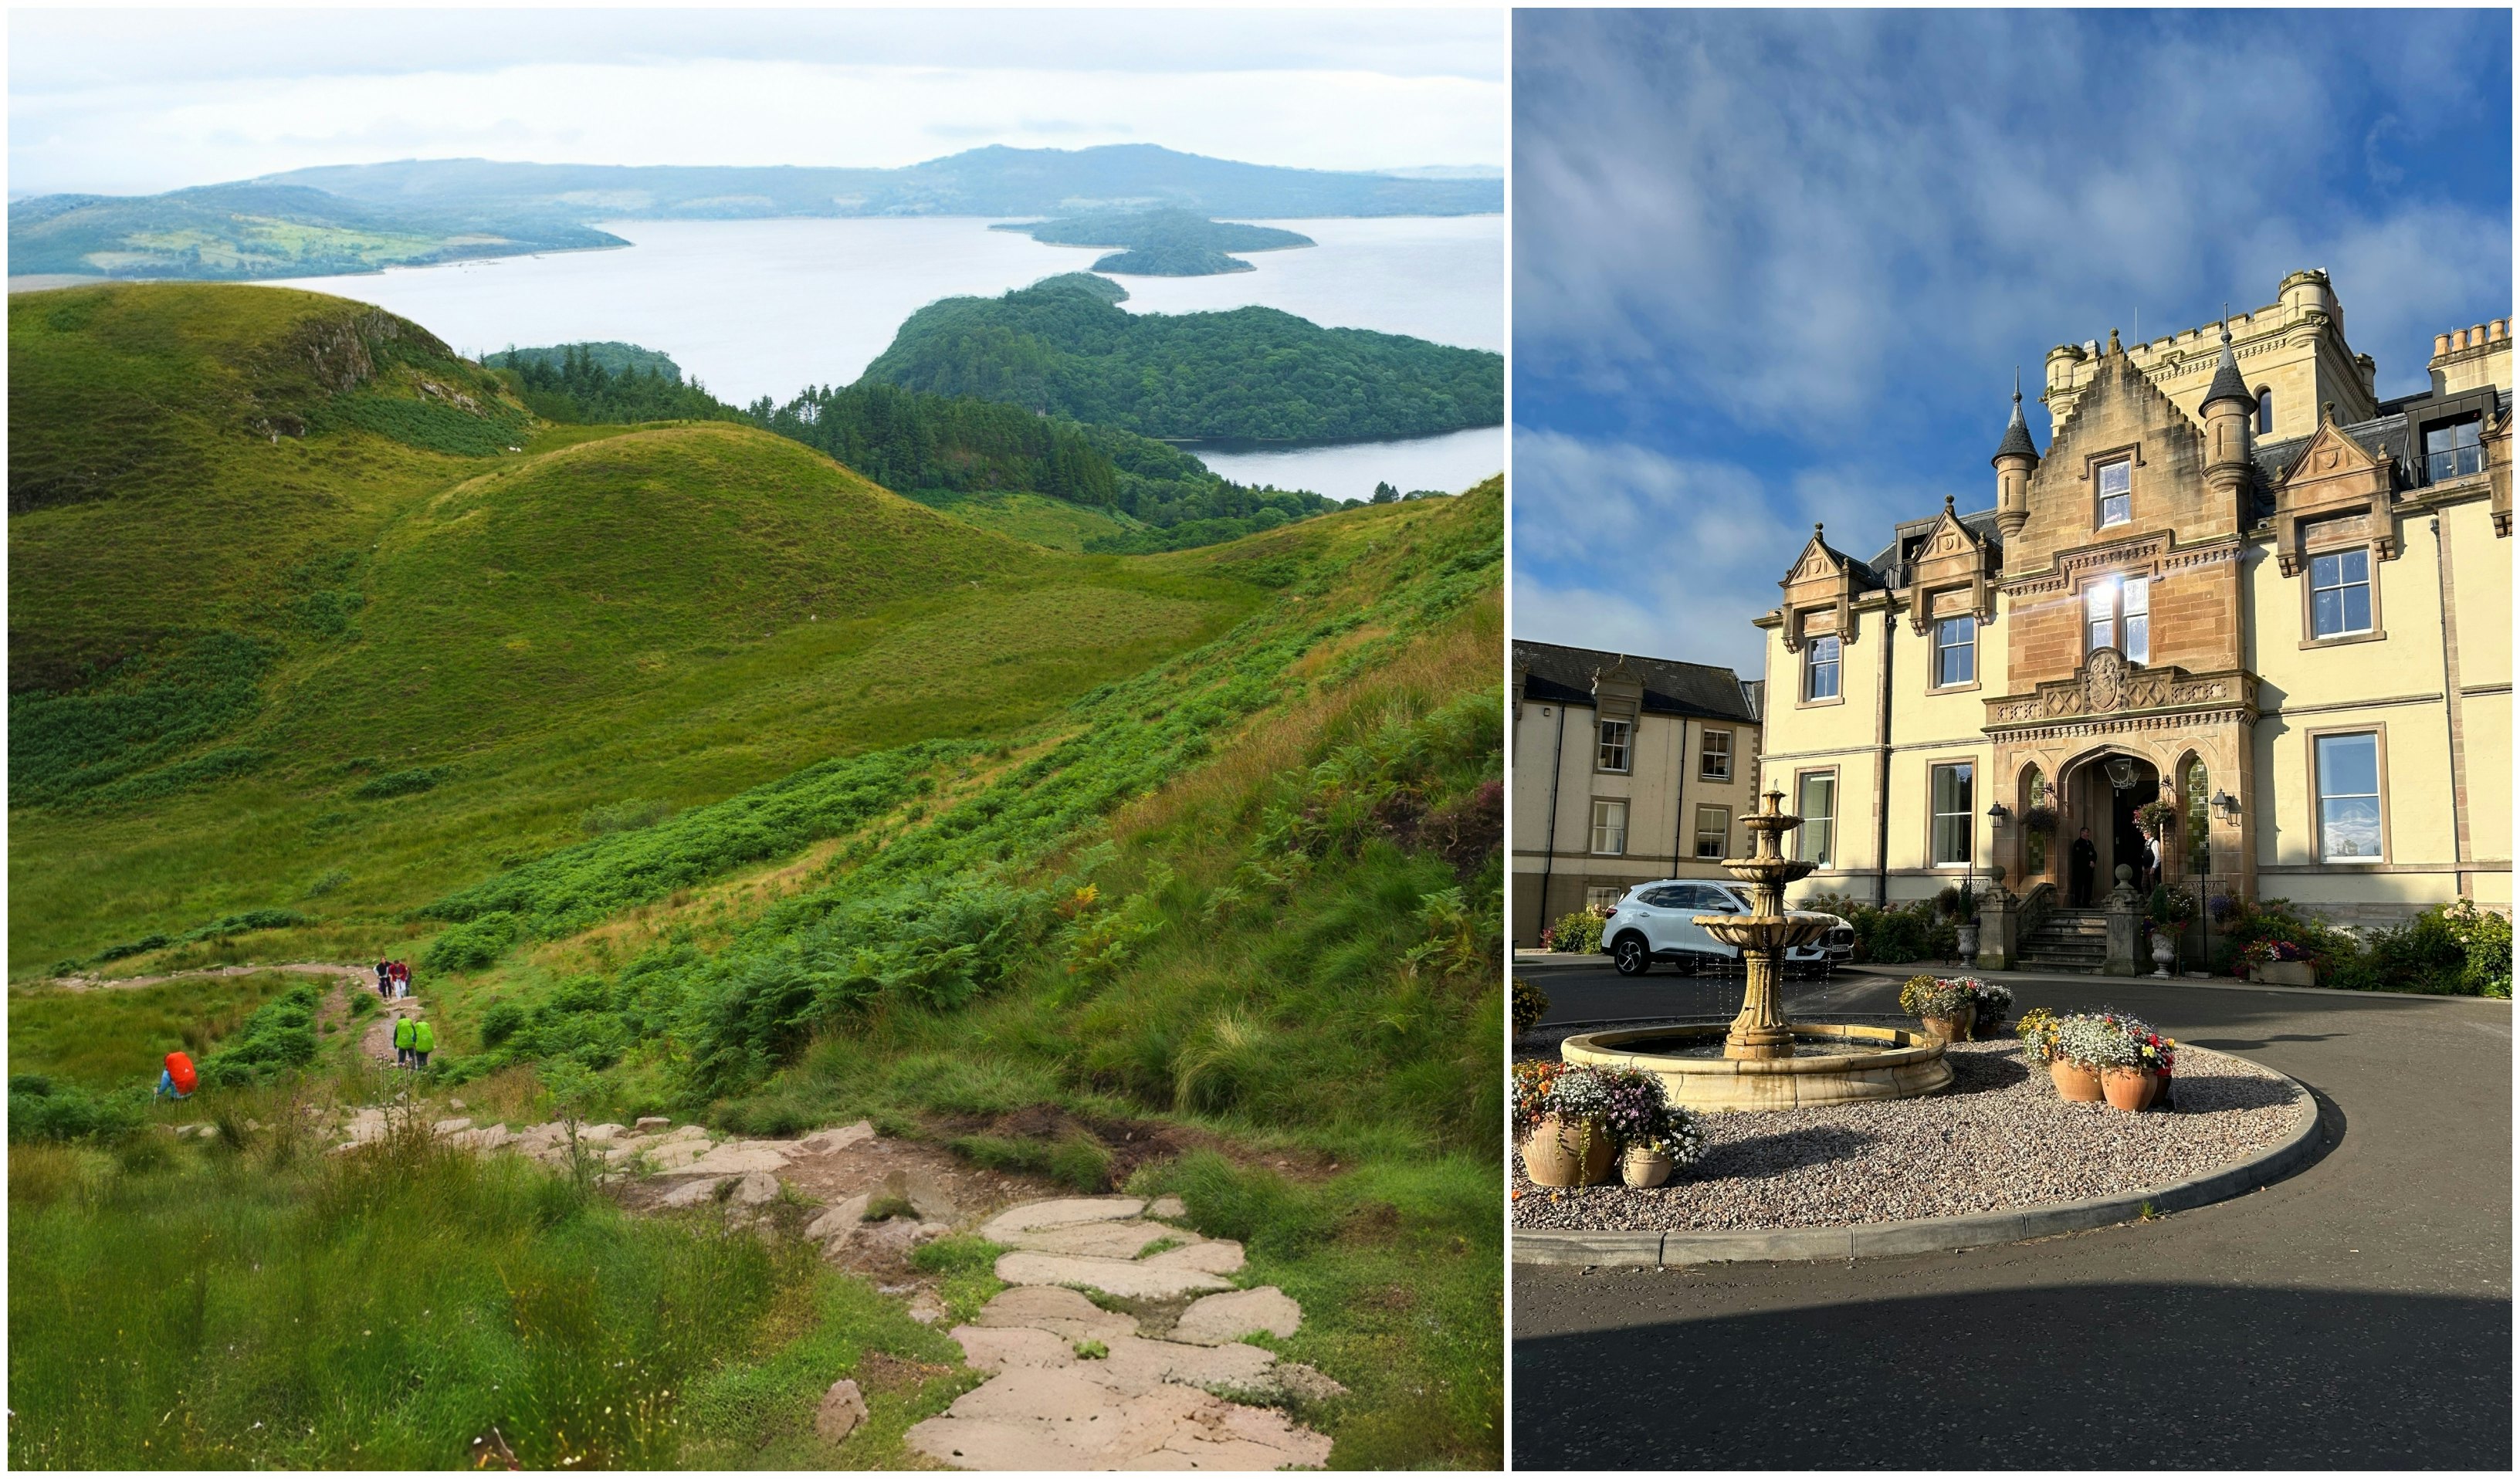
x: 2104, y: 681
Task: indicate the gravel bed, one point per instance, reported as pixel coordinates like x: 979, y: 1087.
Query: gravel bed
x: 1998, y: 1139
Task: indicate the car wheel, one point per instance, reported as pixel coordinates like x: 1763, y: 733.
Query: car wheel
x: 1631, y: 957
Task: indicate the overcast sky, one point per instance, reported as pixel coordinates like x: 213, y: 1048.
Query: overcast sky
x: 1777, y: 267
x: 127, y: 102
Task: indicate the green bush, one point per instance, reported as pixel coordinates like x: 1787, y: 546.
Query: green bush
x: 41, y: 1109
x: 474, y: 944
x: 1578, y: 933
x: 280, y: 1035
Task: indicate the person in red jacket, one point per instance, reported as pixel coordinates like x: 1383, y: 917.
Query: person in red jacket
x: 177, y: 1078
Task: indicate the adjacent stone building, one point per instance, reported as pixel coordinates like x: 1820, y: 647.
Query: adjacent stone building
x: 2236, y: 581
x: 1626, y: 770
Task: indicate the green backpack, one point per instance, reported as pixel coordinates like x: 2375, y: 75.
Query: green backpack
x: 424, y: 1038
x: 405, y: 1031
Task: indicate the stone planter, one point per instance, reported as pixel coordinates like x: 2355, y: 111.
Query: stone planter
x: 1644, y: 1168
x: 1567, y: 1152
x: 2075, y: 1084
x: 2126, y: 1089
x: 1953, y: 1028
x: 2165, y: 949
x: 2285, y: 973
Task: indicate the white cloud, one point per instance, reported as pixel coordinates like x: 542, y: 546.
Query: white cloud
x: 1779, y: 216
x: 102, y: 102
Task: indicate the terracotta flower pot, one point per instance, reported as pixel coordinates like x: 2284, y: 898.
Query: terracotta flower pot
x: 2128, y: 1089
x: 2075, y: 1084
x: 1567, y: 1152
x: 1644, y: 1168
x: 2159, y: 1098
x: 1953, y: 1028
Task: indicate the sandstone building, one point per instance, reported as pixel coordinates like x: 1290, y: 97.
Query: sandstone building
x: 2235, y: 580
x: 1625, y: 770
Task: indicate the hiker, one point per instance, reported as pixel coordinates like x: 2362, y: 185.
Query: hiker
x: 402, y: 979
x: 177, y: 1079
x: 384, y: 980
x: 2086, y: 862
x: 424, y: 1038
x: 403, y: 1034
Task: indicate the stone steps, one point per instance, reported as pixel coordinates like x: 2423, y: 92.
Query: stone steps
x: 1074, y: 1386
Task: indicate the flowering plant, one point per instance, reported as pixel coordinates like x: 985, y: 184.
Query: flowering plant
x: 1530, y: 1005
x: 1994, y: 1002
x: 2221, y: 907
x: 2038, y: 1033
x: 2155, y: 1054
x: 2172, y: 906
x: 2097, y: 1040
x: 1633, y: 1104
x: 2267, y: 952
x: 2040, y: 819
x: 1927, y: 995
x: 1676, y: 1136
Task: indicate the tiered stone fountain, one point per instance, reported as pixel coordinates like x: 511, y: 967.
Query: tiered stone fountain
x: 1765, y: 1062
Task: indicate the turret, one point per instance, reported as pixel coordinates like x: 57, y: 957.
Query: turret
x: 2227, y: 408
x: 2014, y: 461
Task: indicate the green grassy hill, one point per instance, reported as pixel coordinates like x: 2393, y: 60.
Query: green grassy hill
x: 254, y: 661
x: 697, y: 774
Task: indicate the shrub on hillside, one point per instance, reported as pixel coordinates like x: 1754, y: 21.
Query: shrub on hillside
x: 474, y: 944
x: 403, y: 783
x: 41, y: 1109
x: 279, y: 1036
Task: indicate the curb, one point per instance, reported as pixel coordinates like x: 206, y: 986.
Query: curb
x: 2216, y: 983
x: 1931, y: 1234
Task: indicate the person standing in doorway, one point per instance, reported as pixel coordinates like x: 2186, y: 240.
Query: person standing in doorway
x: 2086, y: 864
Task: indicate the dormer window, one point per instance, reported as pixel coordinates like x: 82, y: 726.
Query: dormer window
x: 1615, y: 739
x: 2340, y: 594
x: 2453, y: 449
x: 2117, y: 492
x: 2266, y: 411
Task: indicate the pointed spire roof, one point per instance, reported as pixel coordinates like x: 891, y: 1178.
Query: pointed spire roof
x: 2016, y: 437
x: 2227, y: 385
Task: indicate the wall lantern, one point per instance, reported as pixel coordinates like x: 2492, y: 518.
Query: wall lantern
x: 1997, y: 814
x: 2227, y: 806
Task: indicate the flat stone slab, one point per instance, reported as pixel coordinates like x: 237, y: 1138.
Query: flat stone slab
x: 825, y: 1142
x: 737, y: 1158
x: 1220, y: 1255
x: 1058, y: 1212
x: 840, y: 1221
x: 1063, y: 1313
x: 1167, y: 1206
x: 693, y: 1193
x: 1058, y: 1420
x: 1094, y: 1239
x: 1130, y: 1280
x: 1220, y: 1319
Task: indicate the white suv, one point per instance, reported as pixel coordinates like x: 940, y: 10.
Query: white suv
x: 1658, y: 921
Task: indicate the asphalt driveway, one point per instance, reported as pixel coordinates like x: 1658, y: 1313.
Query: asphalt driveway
x: 2357, y: 1315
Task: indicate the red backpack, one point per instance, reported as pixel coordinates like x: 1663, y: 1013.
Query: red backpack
x: 179, y: 1067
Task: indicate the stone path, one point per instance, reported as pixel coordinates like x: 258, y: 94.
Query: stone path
x: 1076, y: 1386
x: 1072, y: 1385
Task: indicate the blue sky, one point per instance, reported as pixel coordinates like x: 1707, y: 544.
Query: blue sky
x: 127, y: 102
x: 1777, y: 267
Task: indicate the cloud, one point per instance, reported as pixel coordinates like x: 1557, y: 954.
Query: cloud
x: 1775, y: 214
x: 1297, y: 102
x: 1777, y: 267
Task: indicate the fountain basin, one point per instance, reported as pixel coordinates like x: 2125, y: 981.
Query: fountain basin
x: 1897, y: 1065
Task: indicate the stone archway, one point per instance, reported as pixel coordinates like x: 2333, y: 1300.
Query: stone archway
x: 2101, y: 789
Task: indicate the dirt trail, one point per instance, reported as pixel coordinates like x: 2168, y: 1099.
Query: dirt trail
x: 366, y: 973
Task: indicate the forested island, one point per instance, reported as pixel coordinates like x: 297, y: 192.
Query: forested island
x: 1063, y: 346
x: 919, y: 443
x: 347, y: 218
x: 1162, y: 242
x: 232, y: 233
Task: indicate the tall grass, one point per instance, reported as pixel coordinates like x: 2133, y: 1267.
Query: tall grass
x: 245, y: 1307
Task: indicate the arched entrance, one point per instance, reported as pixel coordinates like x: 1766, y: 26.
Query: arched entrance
x: 2101, y: 791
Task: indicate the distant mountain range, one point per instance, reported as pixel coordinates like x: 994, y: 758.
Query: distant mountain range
x: 365, y: 218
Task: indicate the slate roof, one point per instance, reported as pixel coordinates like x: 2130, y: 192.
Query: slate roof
x: 2392, y: 432
x: 2017, y: 435
x: 1686, y: 690
x: 2227, y: 385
